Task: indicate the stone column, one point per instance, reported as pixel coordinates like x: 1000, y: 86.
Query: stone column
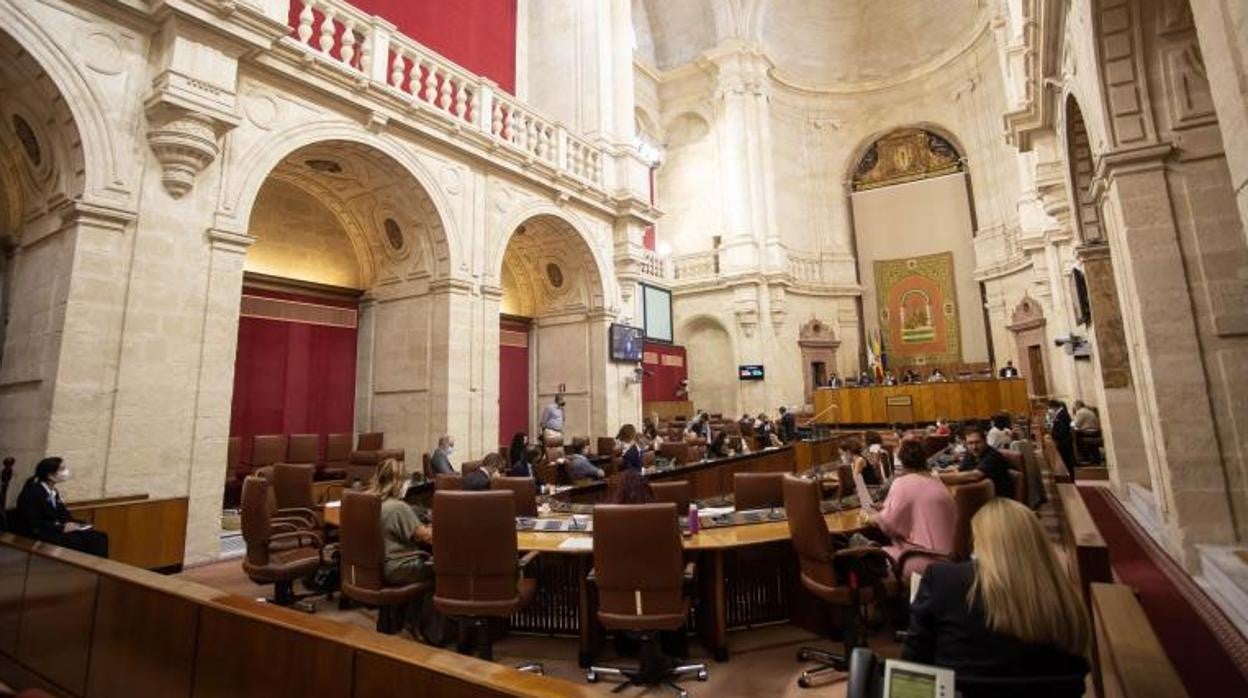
x: 365, y: 343
x: 1120, y: 417
x: 1167, y: 373
x: 214, y: 393
x: 450, y: 360
x: 1222, y: 29
x: 485, y: 432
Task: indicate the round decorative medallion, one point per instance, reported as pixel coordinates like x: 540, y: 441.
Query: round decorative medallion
x: 394, y: 234
x: 554, y: 274
x: 30, y: 143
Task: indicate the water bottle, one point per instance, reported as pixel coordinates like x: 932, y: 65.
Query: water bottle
x: 693, y: 518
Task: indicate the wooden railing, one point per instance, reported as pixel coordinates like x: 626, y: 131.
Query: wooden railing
x: 370, y: 50
x: 147, y: 533
x: 76, y: 626
x: 1132, y: 662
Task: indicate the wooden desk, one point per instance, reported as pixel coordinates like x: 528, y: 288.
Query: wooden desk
x: 956, y: 400
x: 708, y: 479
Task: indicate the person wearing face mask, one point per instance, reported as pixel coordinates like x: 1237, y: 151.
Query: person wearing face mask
x: 440, y: 460
x: 43, y: 514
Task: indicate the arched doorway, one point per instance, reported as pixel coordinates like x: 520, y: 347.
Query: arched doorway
x: 337, y: 322
x: 913, y: 229
x: 707, y: 340
x: 42, y: 178
x: 553, y: 329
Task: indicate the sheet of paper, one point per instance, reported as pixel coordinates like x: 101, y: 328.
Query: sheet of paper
x: 333, y: 505
x: 915, y: 578
x: 715, y: 511
x: 577, y: 543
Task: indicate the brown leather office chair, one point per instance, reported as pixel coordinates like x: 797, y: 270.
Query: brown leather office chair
x: 606, y: 446
x: 933, y: 444
x: 426, y: 465
x: 678, y: 492
x: 547, y: 473
x: 844, y: 482
x: 266, y: 449
x: 818, y: 561
x: 523, y: 488
x: 475, y: 563
x: 290, y: 518
x: 968, y: 498
x: 448, y: 481
x: 272, y: 557
x: 363, y: 464
x: 757, y: 490
x: 641, y: 576
x: 337, y: 456
x: 234, y: 472
x: 371, y: 441
x: 363, y: 555
x: 677, y: 452
x: 303, y: 448
x: 292, y: 486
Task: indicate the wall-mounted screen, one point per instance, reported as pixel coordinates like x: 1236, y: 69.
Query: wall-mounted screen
x: 750, y: 372
x: 657, y: 311
x: 626, y: 343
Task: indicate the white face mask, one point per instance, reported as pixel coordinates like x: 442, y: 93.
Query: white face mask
x: 61, y: 475
x: 450, y: 450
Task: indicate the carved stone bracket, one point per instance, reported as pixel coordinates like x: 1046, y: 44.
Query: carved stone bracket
x: 184, y: 141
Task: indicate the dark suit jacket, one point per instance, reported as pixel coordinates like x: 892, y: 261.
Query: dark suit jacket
x: 1061, y: 427
x: 37, y: 516
x: 632, y: 457
x: 439, y: 464
x: 788, y: 427
x: 945, y: 632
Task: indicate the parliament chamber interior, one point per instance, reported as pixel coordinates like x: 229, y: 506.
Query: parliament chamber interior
x: 362, y: 348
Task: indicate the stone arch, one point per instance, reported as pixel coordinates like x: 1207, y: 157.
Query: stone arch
x: 1081, y: 173
x: 91, y: 165
x: 859, y: 155
x: 238, y: 194
x: 601, y: 287
x: 712, y: 363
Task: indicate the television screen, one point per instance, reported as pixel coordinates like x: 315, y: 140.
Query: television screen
x: 750, y: 372
x: 626, y: 343
x: 658, y: 313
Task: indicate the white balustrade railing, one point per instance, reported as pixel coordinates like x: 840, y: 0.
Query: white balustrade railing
x: 340, y: 34
x: 653, y: 264
x: 804, y: 269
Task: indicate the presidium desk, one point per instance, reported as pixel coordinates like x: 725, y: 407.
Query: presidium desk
x: 921, y: 402
x: 747, y: 574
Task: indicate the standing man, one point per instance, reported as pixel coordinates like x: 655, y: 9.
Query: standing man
x: 440, y: 460
x: 788, y: 425
x: 552, y: 420
x: 1008, y: 371
x: 1062, y: 435
x: 835, y: 381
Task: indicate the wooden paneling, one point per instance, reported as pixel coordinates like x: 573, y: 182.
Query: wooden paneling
x: 1085, y: 547
x: 668, y: 410
x: 150, y: 533
x: 959, y: 400
x: 377, y: 676
x: 12, y: 588
x: 242, y: 656
x: 1132, y: 660
x: 57, y: 617
x: 808, y: 454
x: 144, y: 643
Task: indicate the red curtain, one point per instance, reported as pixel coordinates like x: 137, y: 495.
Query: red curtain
x: 292, y: 377
x: 666, y: 366
x: 513, y: 380
x: 479, y: 35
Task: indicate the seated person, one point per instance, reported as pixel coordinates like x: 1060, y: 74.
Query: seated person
x: 41, y: 514
x: 982, y: 461
x: 936, y: 376
x: 851, y: 450
x: 918, y: 514
x: 401, y: 527
x: 875, y: 453
x: 719, y: 447
x: 1085, y: 417
x: 478, y: 479
x: 626, y: 441
x: 534, y: 456
x: 650, y: 440
x: 911, y: 376
x: 515, y: 452
x: 835, y: 381
x: 941, y: 428
x: 746, y: 425
x: 1000, y: 436
x: 440, y: 459
x: 765, y: 432
x: 699, y: 428
x: 1010, y: 612
x: 865, y: 379
x: 628, y: 486
x: 579, y: 467
x: 890, y: 378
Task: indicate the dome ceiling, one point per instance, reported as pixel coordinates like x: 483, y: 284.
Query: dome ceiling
x: 817, y: 43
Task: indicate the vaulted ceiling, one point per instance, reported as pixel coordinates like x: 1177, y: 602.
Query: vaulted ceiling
x: 814, y: 42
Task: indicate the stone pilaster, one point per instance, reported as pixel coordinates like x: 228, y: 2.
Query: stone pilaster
x: 450, y: 361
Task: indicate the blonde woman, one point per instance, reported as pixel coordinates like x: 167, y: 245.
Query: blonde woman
x: 401, y: 528
x: 1010, y: 612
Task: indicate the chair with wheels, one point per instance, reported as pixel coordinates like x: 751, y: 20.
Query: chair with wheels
x: 757, y: 490
x: 363, y: 554
x: 277, y: 558
x: 524, y: 489
x: 678, y: 492
x: 641, y: 578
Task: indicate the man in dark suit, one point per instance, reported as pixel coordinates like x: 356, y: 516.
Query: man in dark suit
x: 1063, y: 436
x: 41, y: 514
x: 788, y: 425
x: 440, y: 460
x: 1008, y: 371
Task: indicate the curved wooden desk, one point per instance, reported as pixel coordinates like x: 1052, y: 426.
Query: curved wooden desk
x: 957, y: 400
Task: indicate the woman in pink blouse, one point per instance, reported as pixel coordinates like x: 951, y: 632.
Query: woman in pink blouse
x: 918, y: 514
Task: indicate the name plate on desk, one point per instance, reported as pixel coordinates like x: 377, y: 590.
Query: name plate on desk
x: 899, y: 400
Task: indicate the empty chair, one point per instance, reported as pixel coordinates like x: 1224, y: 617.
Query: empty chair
x: 818, y: 561
x: 362, y: 464
x: 678, y: 452
x: 758, y: 490
x: 969, y: 498
x: 272, y: 557
x: 524, y: 489
x: 448, y: 481
x: 641, y: 578
x: 475, y: 562
x: 292, y: 487
x: 678, y: 492
x: 234, y: 472
x: 303, y: 448
x: 363, y: 556
x: 337, y: 456
x: 371, y: 441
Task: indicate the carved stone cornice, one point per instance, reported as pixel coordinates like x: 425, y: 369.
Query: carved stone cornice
x: 490, y: 292
x: 230, y: 240
x: 1092, y: 251
x: 451, y: 285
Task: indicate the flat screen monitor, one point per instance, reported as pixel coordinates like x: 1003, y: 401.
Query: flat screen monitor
x: 626, y: 343
x: 750, y: 372
x: 657, y: 313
